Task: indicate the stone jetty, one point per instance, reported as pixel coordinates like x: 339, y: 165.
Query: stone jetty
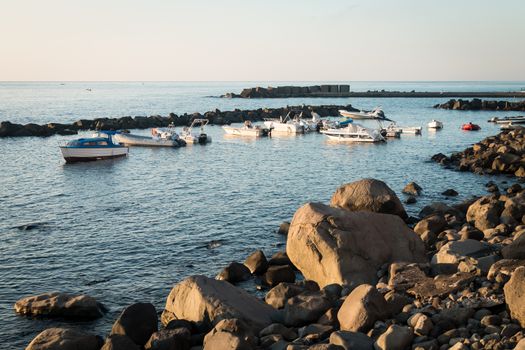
x: 500, y: 154
x: 367, y: 277
x: 482, y: 105
x: 343, y: 90
x: 217, y: 117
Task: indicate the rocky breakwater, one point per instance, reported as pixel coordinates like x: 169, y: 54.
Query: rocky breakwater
x: 293, y: 91
x: 500, y: 154
x: 477, y: 104
x: 216, y: 117
x: 354, y: 276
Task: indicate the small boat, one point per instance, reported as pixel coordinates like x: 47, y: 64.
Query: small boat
x: 248, y: 129
x: 392, y: 131
x: 435, y: 124
x: 354, y: 133
x: 190, y: 137
x: 470, y: 127
x: 376, y: 113
x: 160, y: 137
x: 505, y: 120
x: 310, y: 125
x: 285, y: 125
x: 93, y: 148
x: 416, y: 130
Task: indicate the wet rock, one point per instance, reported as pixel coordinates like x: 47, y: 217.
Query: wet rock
x: 351, y: 340
x: 234, y: 273
x: 137, y: 321
x: 413, y: 189
x: 514, y: 291
x: 230, y: 334
x: 395, y: 338
x: 515, y: 250
x: 119, y: 342
x: 410, y: 200
x: 204, y: 300
x: 450, y: 193
x: 330, y: 245
x: 277, y: 274
x: 277, y: 328
x: 60, y: 305
x: 369, y: 195
x: 364, y: 306
x: 64, y: 339
x: 169, y: 339
x: 283, y: 228
x: 305, y: 308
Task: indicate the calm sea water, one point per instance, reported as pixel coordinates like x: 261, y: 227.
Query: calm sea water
x: 125, y: 231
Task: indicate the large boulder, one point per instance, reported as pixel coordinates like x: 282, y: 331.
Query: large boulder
x: 256, y: 262
x: 207, y: 301
x: 231, y: 334
x: 331, y: 245
x: 169, y: 339
x: 515, y: 250
x: 305, y: 308
x: 369, y: 195
x: 138, y: 322
x: 60, y: 305
x: 64, y: 339
x: 456, y: 251
x: 362, y: 308
x: 484, y: 213
x: 277, y: 274
x: 514, y: 291
x: 234, y: 272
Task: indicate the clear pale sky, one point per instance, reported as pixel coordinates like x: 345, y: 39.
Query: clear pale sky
x: 231, y: 40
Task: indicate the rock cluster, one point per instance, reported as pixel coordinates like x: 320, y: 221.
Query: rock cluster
x: 477, y: 104
x: 500, y: 154
x: 362, y: 279
x: 217, y: 117
x: 292, y: 91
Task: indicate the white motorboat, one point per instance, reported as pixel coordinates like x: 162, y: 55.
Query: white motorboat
x: 376, y: 113
x: 248, y: 129
x: 506, y: 120
x: 435, y: 124
x: 416, y: 130
x: 190, y: 137
x: 160, y: 137
x: 511, y: 126
x: 354, y: 133
x: 310, y: 125
x: 285, y: 125
x: 93, y: 148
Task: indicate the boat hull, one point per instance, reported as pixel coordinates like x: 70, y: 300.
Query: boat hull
x: 194, y: 139
x: 145, y: 141
x: 85, y: 154
x: 250, y: 132
x: 284, y: 128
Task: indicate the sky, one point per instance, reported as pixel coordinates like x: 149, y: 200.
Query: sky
x: 261, y: 40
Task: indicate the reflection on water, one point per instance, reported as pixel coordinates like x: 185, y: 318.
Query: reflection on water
x: 126, y: 230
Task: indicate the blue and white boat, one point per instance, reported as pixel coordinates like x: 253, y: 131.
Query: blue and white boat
x: 101, y: 146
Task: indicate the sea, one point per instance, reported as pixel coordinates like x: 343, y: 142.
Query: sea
x: 127, y: 230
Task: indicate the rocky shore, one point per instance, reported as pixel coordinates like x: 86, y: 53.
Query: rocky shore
x: 482, y: 105
x: 217, y: 117
x: 500, y: 154
x: 338, y: 90
x: 358, y: 273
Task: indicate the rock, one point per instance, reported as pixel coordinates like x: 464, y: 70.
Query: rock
x: 169, y: 339
x: 119, y: 342
x: 234, y: 273
x: 484, y: 213
x: 369, y: 195
x: 396, y: 301
x: 471, y: 233
x: 351, y: 340
x: 456, y: 251
x: 305, y: 308
x: 277, y: 328
x: 514, y: 291
x: 395, y: 338
x: 364, y: 306
x: 450, y: 193
x: 230, y: 334
x: 515, y: 250
x: 520, y: 345
x: 204, y: 300
x: 280, y: 258
x: 441, y: 285
x: 277, y: 274
x: 64, y: 339
x: 404, y: 276
x: 434, y: 223
x: 138, y: 322
x: 457, y: 316
x: 420, y: 323
x: 439, y: 208
x: 331, y: 245
x: 60, y: 305
x: 279, y: 294
x: 283, y: 228
x: 315, y: 331
x: 256, y: 262
x: 413, y: 189
x: 410, y: 200
x: 504, y: 268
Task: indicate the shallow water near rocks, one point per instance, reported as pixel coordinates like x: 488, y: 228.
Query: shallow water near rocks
x: 127, y: 230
